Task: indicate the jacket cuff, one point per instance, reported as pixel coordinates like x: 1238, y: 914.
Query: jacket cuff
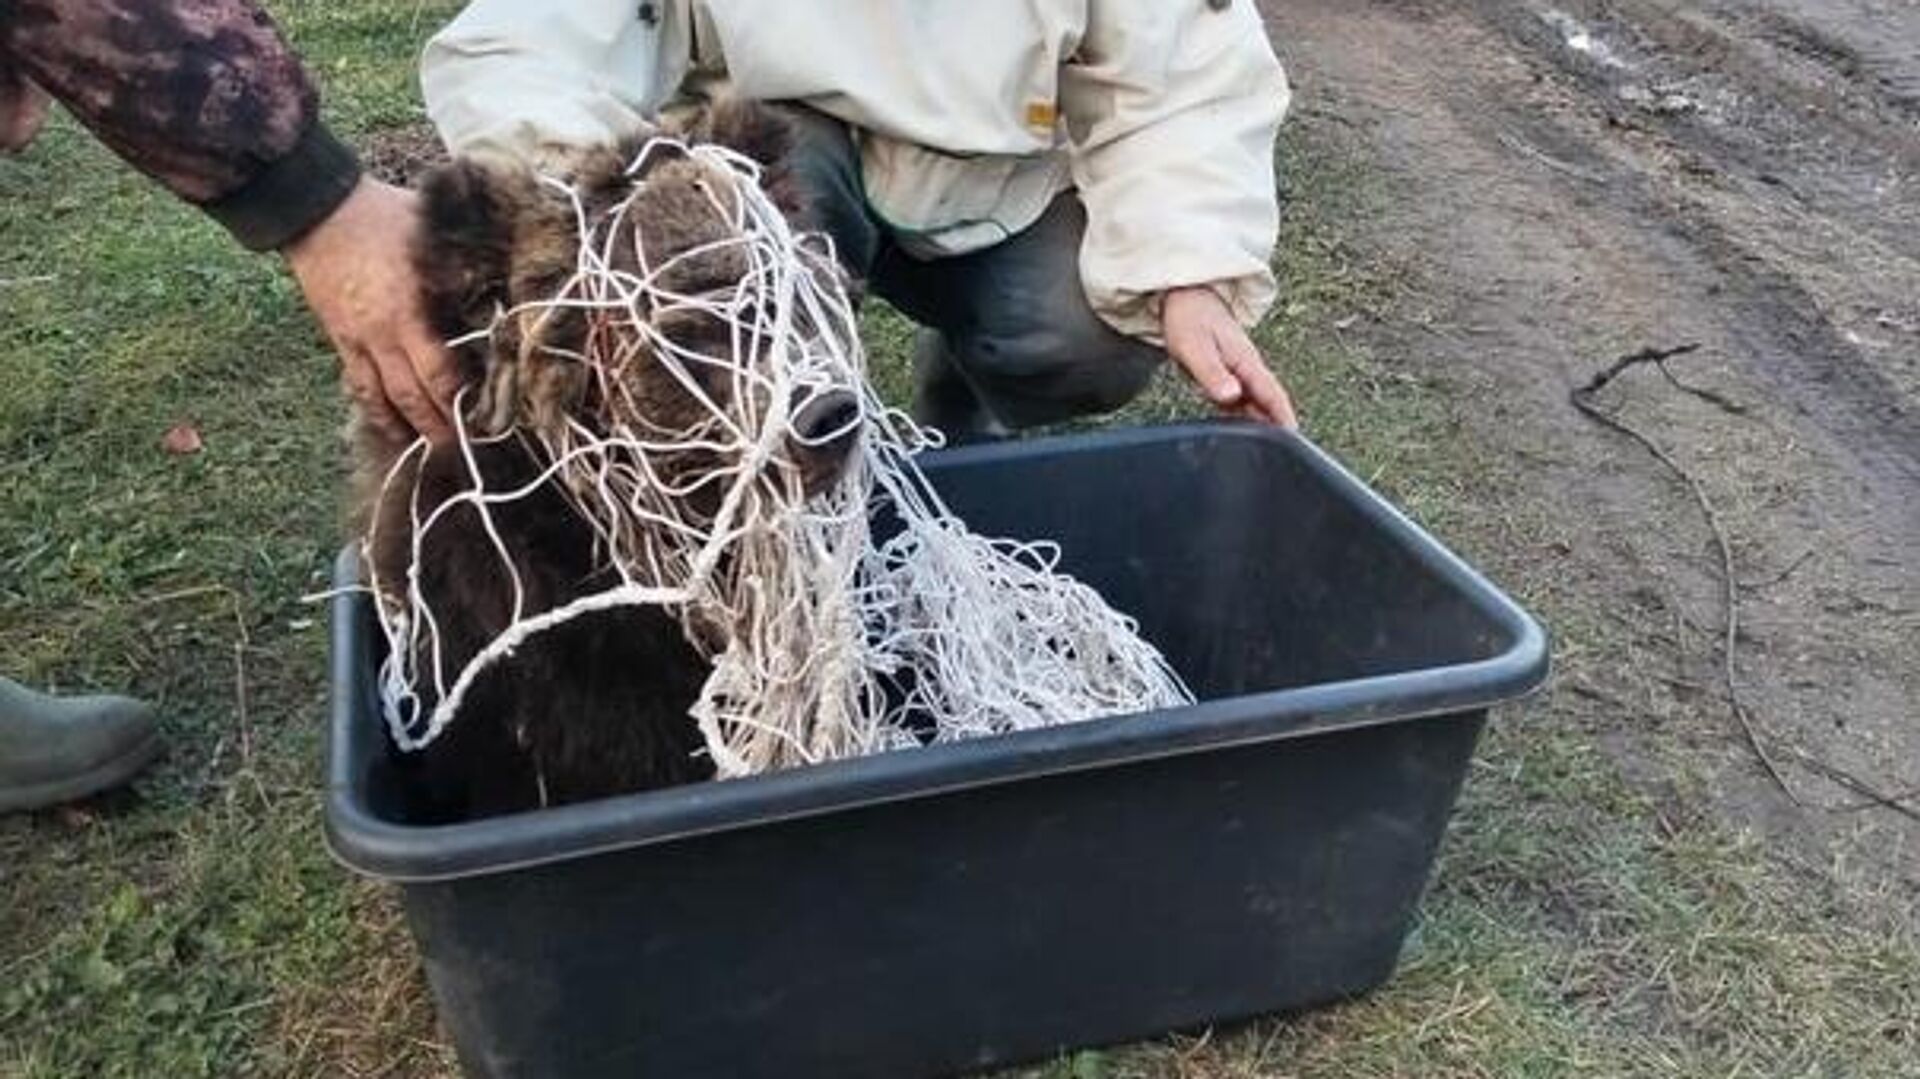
x: 291, y: 195
x: 1138, y: 314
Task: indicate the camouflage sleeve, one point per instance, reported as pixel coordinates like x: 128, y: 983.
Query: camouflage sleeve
x: 204, y: 96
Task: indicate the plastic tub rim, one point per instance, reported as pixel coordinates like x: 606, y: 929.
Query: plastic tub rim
x: 366, y: 844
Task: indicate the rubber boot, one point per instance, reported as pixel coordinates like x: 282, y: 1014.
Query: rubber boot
x: 58, y: 749
x: 943, y: 399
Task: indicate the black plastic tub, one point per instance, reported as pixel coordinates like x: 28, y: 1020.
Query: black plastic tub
x: 947, y: 909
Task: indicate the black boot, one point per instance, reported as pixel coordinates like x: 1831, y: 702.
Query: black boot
x: 942, y: 398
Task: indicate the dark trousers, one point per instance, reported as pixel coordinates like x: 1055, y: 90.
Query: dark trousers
x: 1010, y: 340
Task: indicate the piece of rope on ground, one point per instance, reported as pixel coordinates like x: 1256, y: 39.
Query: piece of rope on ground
x: 1583, y: 399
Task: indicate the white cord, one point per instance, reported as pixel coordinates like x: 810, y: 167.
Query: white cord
x: 806, y: 620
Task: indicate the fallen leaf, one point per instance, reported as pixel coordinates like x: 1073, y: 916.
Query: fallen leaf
x: 182, y: 438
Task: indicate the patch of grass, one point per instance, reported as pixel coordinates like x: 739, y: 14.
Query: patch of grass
x: 195, y: 926
x: 250, y: 954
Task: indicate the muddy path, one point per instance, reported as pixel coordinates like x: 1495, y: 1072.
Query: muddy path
x: 1572, y: 182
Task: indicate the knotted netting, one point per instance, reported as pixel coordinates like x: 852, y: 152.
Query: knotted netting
x: 828, y: 636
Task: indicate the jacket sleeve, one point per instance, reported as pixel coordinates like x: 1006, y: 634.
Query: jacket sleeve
x: 511, y: 77
x: 203, y: 96
x: 1172, y: 108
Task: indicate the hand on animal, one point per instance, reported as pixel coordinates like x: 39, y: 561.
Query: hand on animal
x: 358, y: 275
x: 1206, y: 340
x: 23, y: 109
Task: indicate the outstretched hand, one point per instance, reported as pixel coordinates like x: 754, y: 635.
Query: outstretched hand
x: 356, y: 270
x: 1206, y: 340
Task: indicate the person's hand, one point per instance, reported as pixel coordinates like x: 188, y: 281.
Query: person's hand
x: 1206, y: 340
x: 356, y: 270
x: 23, y: 110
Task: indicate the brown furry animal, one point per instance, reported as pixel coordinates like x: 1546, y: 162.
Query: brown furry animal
x: 598, y: 706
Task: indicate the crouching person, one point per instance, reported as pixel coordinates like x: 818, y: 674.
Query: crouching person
x: 1062, y: 194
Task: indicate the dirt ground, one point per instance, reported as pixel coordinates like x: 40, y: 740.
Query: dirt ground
x: 1571, y: 184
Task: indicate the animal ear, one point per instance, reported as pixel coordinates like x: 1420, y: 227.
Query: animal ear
x: 760, y: 132
x: 756, y: 130
x: 463, y: 251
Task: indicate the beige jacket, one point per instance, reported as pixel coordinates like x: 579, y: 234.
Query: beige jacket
x: 970, y: 115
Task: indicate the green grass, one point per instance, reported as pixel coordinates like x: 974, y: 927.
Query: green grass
x: 1577, y: 926
x: 197, y: 928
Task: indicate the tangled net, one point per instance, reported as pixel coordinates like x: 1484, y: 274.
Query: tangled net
x: 826, y: 640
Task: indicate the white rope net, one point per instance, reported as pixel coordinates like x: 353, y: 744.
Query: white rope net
x: 826, y: 641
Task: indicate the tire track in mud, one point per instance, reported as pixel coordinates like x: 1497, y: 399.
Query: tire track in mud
x: 1772, y: 150
x: 1631, y: 174
x: 1786, y: 113
x: 1853, y: 41
x: 1810, y: 362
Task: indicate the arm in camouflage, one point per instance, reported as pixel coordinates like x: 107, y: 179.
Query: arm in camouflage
x: 202, y: 95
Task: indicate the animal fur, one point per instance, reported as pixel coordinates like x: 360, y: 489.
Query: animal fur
x: 598, y: 706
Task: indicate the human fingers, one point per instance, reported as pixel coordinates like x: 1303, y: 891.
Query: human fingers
x: 1198, y: 353
x: 361, y: 378
x: 409, y: 397
x: 402, y: 393
x: 1264, y: 394
x: 434, y: 367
